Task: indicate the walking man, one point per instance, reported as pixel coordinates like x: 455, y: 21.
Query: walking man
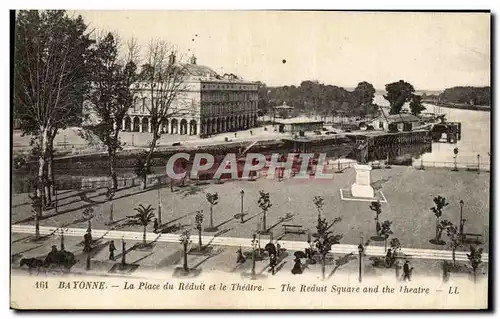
x: 112, y: 249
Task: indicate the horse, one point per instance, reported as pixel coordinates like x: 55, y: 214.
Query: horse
x: 31, y: 263
x: 61, y: 258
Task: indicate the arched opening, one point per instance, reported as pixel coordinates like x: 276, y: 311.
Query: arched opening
x: 247, y: 121
x: 254, y: 120
x: 128, y: 124
x: 183, y: 127
x: 145, y: 124
x: 218, y: 127
x: 224, y: 123
x: 192, y: 127
x: 164, y: 126
x: 231, y: 124
x: 136, y: 124
x: 213, y: 126
x: 173, y: 126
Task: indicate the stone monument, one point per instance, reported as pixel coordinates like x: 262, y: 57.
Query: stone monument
x: 362, y: 187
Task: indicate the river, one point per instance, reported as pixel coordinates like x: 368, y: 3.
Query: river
x: 475, y: 138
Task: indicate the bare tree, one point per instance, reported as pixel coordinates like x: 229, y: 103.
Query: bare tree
x: 162, y: 90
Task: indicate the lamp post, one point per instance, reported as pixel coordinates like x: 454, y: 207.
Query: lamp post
x: 242, y: 193
x: 461, y: 224
x: 360, y: 250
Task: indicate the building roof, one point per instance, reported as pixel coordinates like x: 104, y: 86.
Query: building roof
x: 399, y: 118
x: 200, y: 70
x: 284, y: 107
x: 299, y: 121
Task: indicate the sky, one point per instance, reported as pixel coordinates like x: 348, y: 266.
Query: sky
x: 432, y: 51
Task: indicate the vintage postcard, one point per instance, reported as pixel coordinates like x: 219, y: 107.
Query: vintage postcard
x: 250, y: 160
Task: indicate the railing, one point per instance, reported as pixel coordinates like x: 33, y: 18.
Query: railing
x: 471, y: 166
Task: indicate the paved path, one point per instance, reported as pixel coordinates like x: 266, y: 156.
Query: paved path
x: 409, y: 253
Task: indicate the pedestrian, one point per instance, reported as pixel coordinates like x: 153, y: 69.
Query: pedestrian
x: 251, y: 133
x: 112, y: 249
x: 235, y: 134
x: 407, y: 271
x: 272, y: 263
x: 155, y: 225
x: 278, y: 249
x: 388, y: 258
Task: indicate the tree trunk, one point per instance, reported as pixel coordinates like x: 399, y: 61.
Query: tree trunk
x: 112, y: 168
x: 111, y: 207
x: 437, y: 228
x: 264, y: 228
x: 144, y: 234
x: 185, y: 266
x: 474, y: 271
x: 62, y: 240
x: 199, y: 237
x: 89, y: 227
x: 253, y: 262
x: 453, y: 255
x: 149, y: 156
x: 211, y: 217
x: 37, y: 223
x: 41, y: 169
x: 323, y: 262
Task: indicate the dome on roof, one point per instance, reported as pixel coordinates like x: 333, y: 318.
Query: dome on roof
x: 200, y: 70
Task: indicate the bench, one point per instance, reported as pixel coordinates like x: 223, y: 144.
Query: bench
x: 293, y: 229
x: 476, y: 236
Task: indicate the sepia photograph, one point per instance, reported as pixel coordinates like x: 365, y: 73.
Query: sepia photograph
x: 177, y: 159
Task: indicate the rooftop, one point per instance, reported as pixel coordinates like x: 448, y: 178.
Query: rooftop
x: 298, y: 120
x: 398, y: 118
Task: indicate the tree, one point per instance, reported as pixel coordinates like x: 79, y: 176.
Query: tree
x: 198, y: 221
x: 213, y: 199
x: 36, y: 205
x: 162, y: 92
x: 264, y: 203
x: 143, y: 217
x: 88, y: 214
x: 440, y: 204
x: 377, y: 208
x: 385, y: 231
x: 416, y: 106
x: 453, y: 236
x: 318, y: 202
x: 111, y: 93
x: 185, y: 240
x: 362, y: 97
x: 50, y: 50
x: 325, y: 240
x: 398, y: 93
x: 475, y: 259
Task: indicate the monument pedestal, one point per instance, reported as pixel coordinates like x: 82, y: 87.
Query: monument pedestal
x: 362, y: 187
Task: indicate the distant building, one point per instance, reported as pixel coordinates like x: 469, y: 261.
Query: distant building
x: 297, y: 125
x: 282, y: 111
x: 403, y: 122
x: 210, y: 104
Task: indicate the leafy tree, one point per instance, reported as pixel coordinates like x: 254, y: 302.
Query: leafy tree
x: 475, y: 259
x: 143, y: 217
x: 466, y: 95
x: 362, y: 97
x: 398, y: 93
x: 325, y: 240
x: 440, y: 203
x: 453, y: 236
x: 213, y: 199
x: 416, y: 106
x: 185, y: 240
x: 377, y: 208
x: 50, y: 50
x: 264, y: 203
x: 385, y: 231
x: 111, y: 93
x: 198, y: 221
x: 162, y: 92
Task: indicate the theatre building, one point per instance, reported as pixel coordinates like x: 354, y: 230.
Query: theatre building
x: 211, y: 104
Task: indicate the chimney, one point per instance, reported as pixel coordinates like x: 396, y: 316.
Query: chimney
x: 193, y: 59
x: 171, y: 58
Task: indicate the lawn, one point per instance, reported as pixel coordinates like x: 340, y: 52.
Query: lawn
x: 409, y: 193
